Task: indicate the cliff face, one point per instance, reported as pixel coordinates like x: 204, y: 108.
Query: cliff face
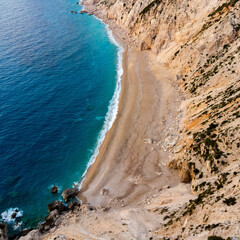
x: 199, y: 42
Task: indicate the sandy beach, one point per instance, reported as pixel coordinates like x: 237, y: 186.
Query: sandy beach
x: 131, y: 165
x: 131, y: 161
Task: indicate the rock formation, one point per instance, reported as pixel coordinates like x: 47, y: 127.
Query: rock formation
x: 54, y: 189
x: 69, y: 193
x: 3, y: 231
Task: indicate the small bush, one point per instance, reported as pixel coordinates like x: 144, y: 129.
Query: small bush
x: 215, y: 238
x: 230, y: 201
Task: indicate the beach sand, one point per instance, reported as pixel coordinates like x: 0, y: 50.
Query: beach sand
x: 131, y: 161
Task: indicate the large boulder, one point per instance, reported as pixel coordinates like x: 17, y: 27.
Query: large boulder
x: 58, y: 205
x: 69, y: 193
x: 3, y: 231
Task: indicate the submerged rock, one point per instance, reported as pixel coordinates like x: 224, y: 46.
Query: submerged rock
x: 69, y: 193
x: 54, y: 189
x: 58, y: 205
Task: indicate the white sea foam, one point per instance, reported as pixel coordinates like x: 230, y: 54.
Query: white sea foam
x: 113, y: 106
x: 6, y: 216
x: 17, y: 225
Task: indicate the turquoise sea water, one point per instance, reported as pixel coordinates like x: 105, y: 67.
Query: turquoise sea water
x: 58, y: 74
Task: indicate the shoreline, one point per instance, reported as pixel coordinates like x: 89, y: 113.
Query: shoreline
x: 113, y: 104
x: 137, y: 103
x: 95, y: 159
x: 91, y: 170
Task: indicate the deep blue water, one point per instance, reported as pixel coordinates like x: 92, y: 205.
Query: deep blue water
x: 57, y: 77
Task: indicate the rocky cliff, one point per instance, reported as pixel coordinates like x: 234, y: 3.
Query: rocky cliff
x: 199, y: 42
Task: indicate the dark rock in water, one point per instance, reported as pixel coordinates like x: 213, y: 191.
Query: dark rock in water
x: 13, y: 215
x: 58, y: 205
x: 69, y: 193
x: 54, y: 189
x: 3, y: 231
x: 72, y: 205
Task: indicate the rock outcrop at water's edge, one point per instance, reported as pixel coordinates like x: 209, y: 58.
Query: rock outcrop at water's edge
x: 199, y: 42
x: 3, y: 231
x: 69, y: 193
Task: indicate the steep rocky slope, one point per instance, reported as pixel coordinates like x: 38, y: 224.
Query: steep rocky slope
x: 199, y: 42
